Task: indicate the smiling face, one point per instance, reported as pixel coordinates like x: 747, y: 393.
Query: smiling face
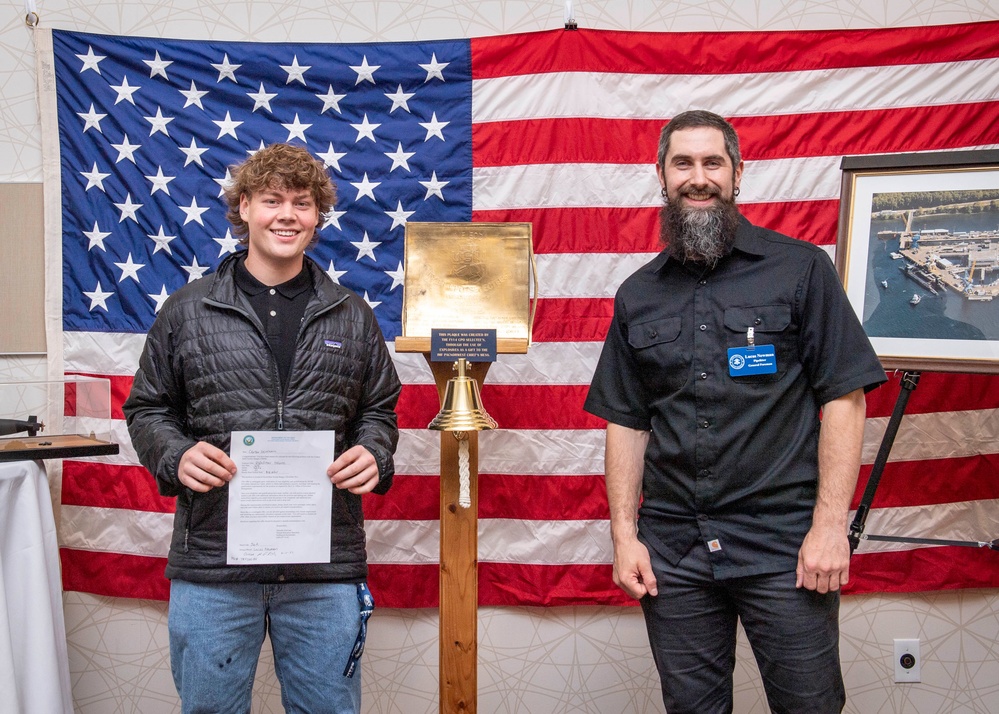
x: 280, y: 223
x: 697, y: 172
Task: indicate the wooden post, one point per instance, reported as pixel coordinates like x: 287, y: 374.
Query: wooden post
x: 459, y: 585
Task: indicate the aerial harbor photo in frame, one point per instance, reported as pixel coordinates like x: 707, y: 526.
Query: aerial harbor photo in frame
x: 919, y: 254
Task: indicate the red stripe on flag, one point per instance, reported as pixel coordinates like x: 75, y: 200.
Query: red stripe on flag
x: 932, y: 481
x: 585, y: 230
x: 635, y: 141
x: 407, y: 586
x: 936, y: 392
x: 543, y: 498
x: 549, y: 585
x: 411, y: 498
x: 103, y: 485
x: 114, y: 574
x: 121, y: 385
x: 573, y: 319
x: 728, y: 52
x: 636, y: 230
x: 923, y: 569
x: 552, y: 498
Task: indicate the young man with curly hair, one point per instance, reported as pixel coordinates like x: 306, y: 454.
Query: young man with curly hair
x: 266, y: 342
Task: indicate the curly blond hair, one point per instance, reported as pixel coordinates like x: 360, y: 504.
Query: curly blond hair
x: 279, y: 166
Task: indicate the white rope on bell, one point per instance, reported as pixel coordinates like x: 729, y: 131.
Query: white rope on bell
x: 464, y: 476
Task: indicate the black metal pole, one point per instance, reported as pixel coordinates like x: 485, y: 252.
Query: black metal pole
x: 909, y: 382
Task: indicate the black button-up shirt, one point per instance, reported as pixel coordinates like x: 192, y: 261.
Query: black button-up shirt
x: 731, y: 461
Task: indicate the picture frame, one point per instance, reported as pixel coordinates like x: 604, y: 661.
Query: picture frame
x: 918, y: 253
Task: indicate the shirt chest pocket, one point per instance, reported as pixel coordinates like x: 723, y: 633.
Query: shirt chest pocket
x: 771, y: 325
x: 661, y: 352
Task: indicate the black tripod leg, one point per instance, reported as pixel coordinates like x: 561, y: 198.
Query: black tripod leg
x: 909, y: 382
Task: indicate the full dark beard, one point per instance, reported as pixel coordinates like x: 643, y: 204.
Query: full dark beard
x: 699, y: 235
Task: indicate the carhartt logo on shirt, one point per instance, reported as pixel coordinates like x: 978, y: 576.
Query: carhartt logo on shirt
x: 714, y: 545
x: 333, y: 344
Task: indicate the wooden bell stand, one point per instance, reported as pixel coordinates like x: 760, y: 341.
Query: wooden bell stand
x: 464, y: 276
x: 459, y: 541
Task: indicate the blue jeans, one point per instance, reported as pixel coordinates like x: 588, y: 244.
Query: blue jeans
x: 794, y: 634
x: 217, y: 629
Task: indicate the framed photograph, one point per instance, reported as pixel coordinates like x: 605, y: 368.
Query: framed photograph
x: 918, y: 252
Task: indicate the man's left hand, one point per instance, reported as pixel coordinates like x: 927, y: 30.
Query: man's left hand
x: 824, y: 560
x: 355, y: 470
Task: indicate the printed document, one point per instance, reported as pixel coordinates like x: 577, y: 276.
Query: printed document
x: 280, y: 498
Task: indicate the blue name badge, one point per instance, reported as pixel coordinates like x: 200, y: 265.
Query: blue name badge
x: 747, y: 361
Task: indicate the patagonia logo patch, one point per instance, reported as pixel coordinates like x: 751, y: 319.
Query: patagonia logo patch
x: 333, y: 344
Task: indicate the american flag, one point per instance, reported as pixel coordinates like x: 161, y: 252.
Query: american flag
x: 555, y: 128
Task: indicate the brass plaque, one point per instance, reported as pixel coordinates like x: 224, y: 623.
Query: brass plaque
x: 468, y: 276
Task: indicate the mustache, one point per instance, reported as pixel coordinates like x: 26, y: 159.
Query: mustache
x: 705, y: 190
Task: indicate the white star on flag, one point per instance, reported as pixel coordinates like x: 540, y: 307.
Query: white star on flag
x: 159, y: 182
x: 333, y: 219
x: 366, y: 247
x: 162, y: 241
x: 399, y: 99
x: 91, y: 119
x: 331, y: 157
x: 365, y: 72
x: 159, y: 122
x: 126, y: 150
x: 434, y: 69
x: 130, y: 269
x: 229, y: 125
x: 128, y: 209
x: 193, y: 153
x: 365, y: 188
x: 296, y: 129
x: 98, y: 297
x: 193, y: 212
x: 90, y: 61
x: 365, y: 129
x: 398, y: 276
x: 371, y: 303
x: 434, y: 127
x: 195, y: 271
x: 400, y: 158
x: 331, y: 100
x: 335, y: 274
x: 159, y: 298
x: 224, y: 182
x: 193, y: 96
x: 226, y: 69
x: 434, y: 187
x: 296, y: 72
x: 227, y: 244
x: 125, y: 91
x: 261, y: 98
x: 94, y: 178
x: 398, y: 216
x: 96, y: 238
x: 158, y: 66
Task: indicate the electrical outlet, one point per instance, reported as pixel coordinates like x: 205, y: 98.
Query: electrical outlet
x: 907, y: 661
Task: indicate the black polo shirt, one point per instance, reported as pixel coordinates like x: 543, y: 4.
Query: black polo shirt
x: 732, y: 462
x: 280, y: 309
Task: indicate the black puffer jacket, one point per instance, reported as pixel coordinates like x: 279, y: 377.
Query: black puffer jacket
x: 206, y: 371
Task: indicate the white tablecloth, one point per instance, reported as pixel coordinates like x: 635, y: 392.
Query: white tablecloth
x: 34, y: 668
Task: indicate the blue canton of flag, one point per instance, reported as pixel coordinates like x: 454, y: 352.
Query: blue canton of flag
x: 148, y: 129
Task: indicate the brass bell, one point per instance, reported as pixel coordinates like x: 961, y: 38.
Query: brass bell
x: 462, y: 409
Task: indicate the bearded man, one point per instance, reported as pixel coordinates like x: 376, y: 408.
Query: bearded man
x: 728, y: 494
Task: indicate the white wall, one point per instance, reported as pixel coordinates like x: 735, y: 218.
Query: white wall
x: 538, y: 661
